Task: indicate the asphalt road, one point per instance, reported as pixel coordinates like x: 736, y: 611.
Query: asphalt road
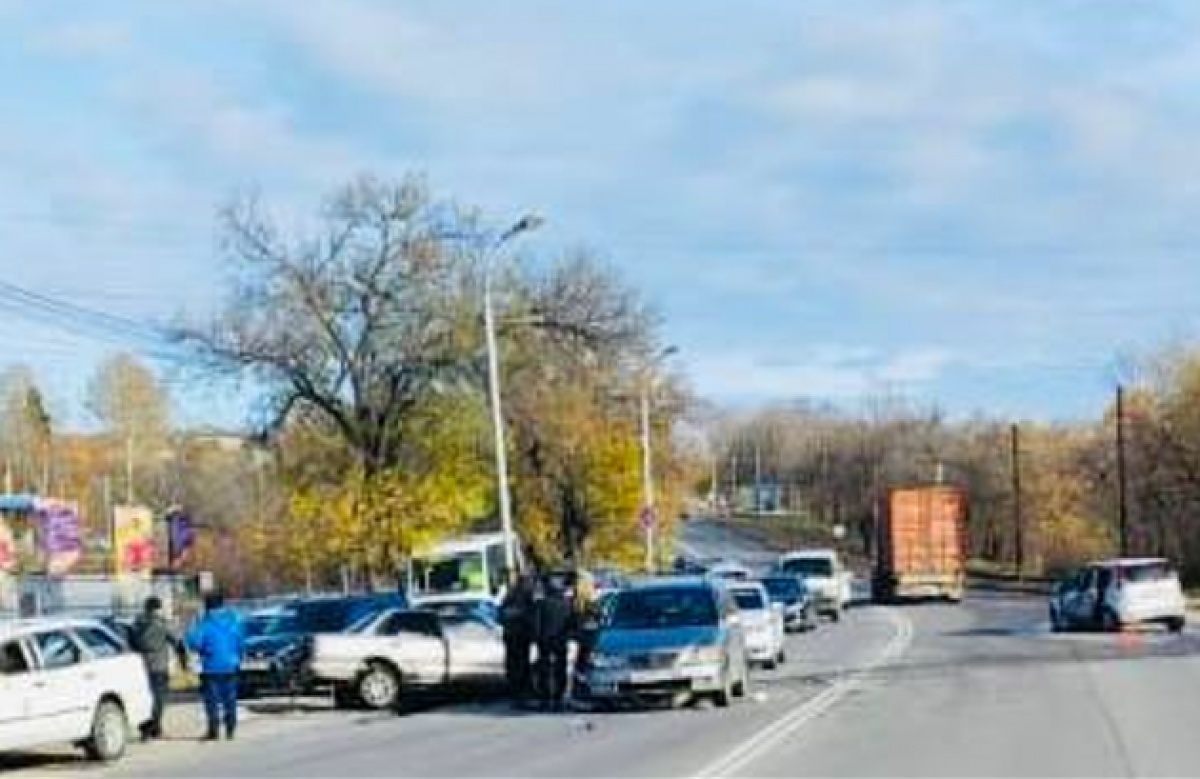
x: 979, y: 689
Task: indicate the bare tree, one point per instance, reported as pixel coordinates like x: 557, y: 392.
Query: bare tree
x: 351, y: 326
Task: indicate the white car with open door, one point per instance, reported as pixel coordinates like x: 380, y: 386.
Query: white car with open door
x: 1114, y: 594
x: 762, y: 623
x: 69, y: 680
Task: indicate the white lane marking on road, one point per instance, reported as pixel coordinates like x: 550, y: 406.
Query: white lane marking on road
x: 771, y: 736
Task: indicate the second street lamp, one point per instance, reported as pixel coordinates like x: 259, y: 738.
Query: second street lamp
x: 526, y: 224
x: 649, y: 518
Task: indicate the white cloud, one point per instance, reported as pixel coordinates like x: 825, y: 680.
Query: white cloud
x: 85, y: 40
x: 830, y: 372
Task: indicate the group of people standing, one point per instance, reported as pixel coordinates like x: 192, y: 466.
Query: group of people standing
x: 540, y: 619
x: 539, y: 616
x: 217, y: 637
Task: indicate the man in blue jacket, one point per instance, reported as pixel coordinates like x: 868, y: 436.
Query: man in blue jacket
x: 219, y: 639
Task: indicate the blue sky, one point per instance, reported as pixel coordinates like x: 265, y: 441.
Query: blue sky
x: 981, y: 203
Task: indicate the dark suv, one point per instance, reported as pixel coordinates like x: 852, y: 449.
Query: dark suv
x: 278, y: 640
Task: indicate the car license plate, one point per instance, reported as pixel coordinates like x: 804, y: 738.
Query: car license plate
x: 651, y: 677
x: 256, y: 665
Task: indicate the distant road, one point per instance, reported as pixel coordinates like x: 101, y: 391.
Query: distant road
x: 981, y: 689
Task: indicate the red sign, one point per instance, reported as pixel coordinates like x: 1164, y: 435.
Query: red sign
x: 647, y: 517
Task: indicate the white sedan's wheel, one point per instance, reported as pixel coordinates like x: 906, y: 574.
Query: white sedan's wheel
x: 379, y: 687
x: 110, y: 732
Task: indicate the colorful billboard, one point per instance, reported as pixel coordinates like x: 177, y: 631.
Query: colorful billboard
x: 58, y: 530
x: 8, y: 547
x: 133, y: 540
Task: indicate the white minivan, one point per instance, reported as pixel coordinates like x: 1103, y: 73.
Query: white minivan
x: 69, y: 680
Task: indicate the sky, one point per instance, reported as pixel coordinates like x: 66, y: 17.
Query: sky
x: 984, y: 204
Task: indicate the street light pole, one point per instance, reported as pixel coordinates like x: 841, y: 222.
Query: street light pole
x: 649, y: 519
x: 647, y: 478
x: 525, y: 224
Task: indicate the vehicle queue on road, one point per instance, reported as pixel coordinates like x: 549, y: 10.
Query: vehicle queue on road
x: 692, y: 635
x: 674, y: 638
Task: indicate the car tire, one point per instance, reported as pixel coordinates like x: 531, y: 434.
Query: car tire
x: 1056, y: 623
x: 379, y: 687
x: 109, y: 735
x: 1176, y: 624
x: 770, y: 664
x: 724, y: 696
x: 742, y: 686
x: 781, y: 659
x: 835, y: 615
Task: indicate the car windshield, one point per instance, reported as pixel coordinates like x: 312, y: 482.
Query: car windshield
x: 784, y: 588
x: 663, y: 608
x: 749, y: 600
x: 809, y: 567
x: 276, y: 624
x: 1147, y: 572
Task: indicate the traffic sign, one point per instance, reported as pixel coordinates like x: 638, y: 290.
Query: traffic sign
x: 647, y: 517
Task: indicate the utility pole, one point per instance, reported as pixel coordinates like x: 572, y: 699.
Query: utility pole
x: 129, y: 469
x: 110, y: 524
x: 648, y: 517
x: 1122, y: 477
x: 757, y: 476
x: 1018, y: 519
x: 733, y: 482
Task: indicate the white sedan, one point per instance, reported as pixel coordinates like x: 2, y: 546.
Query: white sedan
x: 762, y: 623
x: 69, y: 680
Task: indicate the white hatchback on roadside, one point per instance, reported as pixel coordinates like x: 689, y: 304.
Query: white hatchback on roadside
x: 762, y: 623
x: 1114, y: 594
x: 69, y: 680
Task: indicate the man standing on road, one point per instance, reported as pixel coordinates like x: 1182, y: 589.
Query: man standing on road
x: 154, y: 641
x: 516, y: 617
x: 219, y: 640
x: 552, y: 629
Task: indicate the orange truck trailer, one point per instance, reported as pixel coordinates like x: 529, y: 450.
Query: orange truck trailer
x: 921, y: 548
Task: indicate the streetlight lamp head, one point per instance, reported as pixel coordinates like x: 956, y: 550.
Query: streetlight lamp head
x: 668, y: 351
x: 529, y: 223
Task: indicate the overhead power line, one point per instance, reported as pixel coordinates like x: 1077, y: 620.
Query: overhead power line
x: 146, y: 338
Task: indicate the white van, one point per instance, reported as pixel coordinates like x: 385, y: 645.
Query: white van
x: 827, y: 580
x: 469, y: 568
x: 69, y: 680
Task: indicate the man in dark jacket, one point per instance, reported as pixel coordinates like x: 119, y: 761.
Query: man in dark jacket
x: 219, y: 639
x: 552, y: 630
x: 154, y: 641
x: 516, y: 617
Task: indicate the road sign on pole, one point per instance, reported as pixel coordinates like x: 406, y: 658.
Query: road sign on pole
x: 647, y: 517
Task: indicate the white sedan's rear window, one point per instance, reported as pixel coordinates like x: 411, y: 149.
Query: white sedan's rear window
x: 1147, y: 572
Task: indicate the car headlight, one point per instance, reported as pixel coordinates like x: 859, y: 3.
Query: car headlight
x: 607, y: 662
x: 701, y: 655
